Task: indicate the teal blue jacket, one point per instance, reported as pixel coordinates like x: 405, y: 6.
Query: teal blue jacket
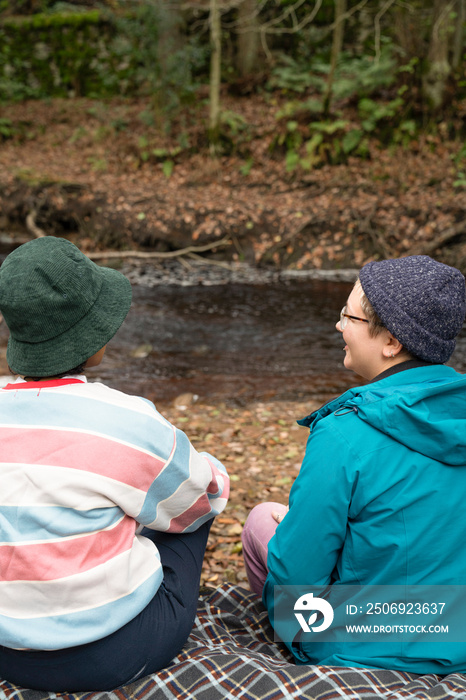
x: 380, y: 499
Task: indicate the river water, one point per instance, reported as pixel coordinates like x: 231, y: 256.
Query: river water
x: 231, y: 342
x: 224, y: 337
x: 268, y: 339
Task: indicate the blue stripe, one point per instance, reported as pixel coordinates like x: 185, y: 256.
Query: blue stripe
x: 32, y: 523
x: 168, y: 481
x: 63, y: 631
x: 25, y: 408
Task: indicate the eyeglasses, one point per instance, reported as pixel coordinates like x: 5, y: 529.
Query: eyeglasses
x: 344, y: 318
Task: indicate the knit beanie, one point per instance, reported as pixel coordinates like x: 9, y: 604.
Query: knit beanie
x: 420, y: 301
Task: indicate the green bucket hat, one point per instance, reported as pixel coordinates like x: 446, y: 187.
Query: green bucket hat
x: 60, y: 307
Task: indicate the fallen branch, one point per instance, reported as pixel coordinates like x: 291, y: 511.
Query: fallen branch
x: 377, y: 237
x: 32, y: 226
x: 440, y: 240
x: 154, y: 255
x: 204, y: 261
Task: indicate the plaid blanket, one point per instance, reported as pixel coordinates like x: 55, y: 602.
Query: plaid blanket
x: 231, y: 654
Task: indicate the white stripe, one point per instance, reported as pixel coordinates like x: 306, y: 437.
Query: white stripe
x: 218, y: 504
x: 28, y: 485
x: 187, y: 493
x: 103, y: 584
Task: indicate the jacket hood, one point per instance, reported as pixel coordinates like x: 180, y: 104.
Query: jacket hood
x: 423, y: 409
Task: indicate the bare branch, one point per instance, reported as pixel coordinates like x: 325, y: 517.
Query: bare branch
x: 429, y: 247
x: 246, y: 19
x: 441, y: 18
x: 267, y: 26
x: 153, y: 255
x: 32, y: 226
x: 377, y: 19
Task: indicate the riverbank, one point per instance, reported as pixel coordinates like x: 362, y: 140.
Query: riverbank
x: 89, y: 170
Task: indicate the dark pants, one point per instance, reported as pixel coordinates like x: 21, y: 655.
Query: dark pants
x: 143, y: 646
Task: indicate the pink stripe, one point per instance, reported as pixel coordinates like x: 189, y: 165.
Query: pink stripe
x: 214, y: 487
x: 54, y: 560
x: 198, y: 509
x: 76, y: 450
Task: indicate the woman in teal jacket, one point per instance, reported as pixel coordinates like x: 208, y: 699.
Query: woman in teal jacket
x: 380, y: 497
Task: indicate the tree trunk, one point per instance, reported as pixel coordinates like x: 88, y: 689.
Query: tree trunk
x: 458, y: 39
x: 435, y: 78
x: 248, y: 37
x: 337, y: 43
x: 215, y: 72
x: 170, y: 39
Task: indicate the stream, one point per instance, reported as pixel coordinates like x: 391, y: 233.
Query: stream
x: 232, y: 342
x: 231, y: 337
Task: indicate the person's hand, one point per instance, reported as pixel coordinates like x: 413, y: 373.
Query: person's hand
x: 278, y: 517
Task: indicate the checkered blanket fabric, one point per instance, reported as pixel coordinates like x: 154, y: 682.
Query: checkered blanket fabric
x: 231, y: 654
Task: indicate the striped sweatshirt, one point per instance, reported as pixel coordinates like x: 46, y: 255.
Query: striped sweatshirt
x: 82, y: 469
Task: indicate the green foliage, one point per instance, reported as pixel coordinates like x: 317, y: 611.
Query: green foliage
x: 69, y: 50
x: 362, y: 80
x: 233, y: 122
x: 167, y: 168
x: 168, y: 73
x: 294, y: 108
x: 372, y: 112
x: 7, y: 129
x: 166, y: 156
x: 58, y: 54
x: 99, y: 165
x: 332, y: 141
x: 162, y: 155
x: 363, y: 75
x: 323, y: 146
x: 460, y: 161
x: 246, y: 168
x: 233, y: 135
x: 355, y: 75
x: 290, y: 138
x: 291, y: 76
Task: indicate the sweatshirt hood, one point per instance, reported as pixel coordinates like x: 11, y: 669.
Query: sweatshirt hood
x: 423, y: 409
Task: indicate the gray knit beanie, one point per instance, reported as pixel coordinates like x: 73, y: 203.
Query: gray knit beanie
x: 420, y: 301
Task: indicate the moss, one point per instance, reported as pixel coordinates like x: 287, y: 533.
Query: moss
x: 59, y: 19
x: 59, y: 55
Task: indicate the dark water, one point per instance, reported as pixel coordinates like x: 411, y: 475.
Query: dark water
x: 233, y: 342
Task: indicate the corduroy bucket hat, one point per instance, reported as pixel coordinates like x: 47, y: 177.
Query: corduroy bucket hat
x: 59, y: 306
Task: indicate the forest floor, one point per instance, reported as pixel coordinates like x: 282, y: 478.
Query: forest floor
x: 262, y: 447
x: 108, y: 175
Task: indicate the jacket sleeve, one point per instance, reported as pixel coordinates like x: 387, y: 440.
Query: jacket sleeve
x: 308, y: 541
x: 181, y: 487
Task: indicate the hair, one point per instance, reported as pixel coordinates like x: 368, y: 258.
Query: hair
x: 375, y: 324
x: 76, y: 370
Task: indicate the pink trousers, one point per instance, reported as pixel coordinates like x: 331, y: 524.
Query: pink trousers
x: 258, y: 530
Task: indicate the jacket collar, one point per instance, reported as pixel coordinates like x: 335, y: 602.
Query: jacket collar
x: 342, y: 400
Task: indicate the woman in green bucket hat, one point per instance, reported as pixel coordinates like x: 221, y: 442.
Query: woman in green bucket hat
x: 106, y: 506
